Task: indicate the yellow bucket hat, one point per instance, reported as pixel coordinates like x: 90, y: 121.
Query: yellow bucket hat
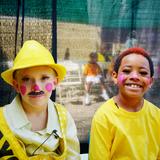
x: 33, y: 54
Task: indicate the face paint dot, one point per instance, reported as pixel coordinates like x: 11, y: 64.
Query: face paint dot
x: 121, y: 78
x: 23, y: 89
x: 36, y: 88
x: 49, y: 87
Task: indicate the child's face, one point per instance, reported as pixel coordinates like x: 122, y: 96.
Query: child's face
x: 133, y: 78
x: 35, y: 85
x: 93, y: 59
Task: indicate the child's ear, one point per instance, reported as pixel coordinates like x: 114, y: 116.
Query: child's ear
x: 15, y: 86
x: 55, y: 81
x: 151, y: 82
x: 114, y: 77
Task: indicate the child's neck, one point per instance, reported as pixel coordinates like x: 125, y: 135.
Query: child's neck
x: 38, y: 120
x: 38, y: 116
x: 131, y: 105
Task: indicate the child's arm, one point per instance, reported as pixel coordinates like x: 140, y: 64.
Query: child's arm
x: 73, y: 147
x: 99, y: 69
x: 85, y: 69
x: 158, y: 158
x: 100, y: 141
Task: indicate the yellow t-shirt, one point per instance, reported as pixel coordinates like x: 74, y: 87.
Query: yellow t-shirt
x: 117, y: 134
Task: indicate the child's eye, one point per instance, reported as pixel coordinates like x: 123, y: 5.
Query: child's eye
x: 127, y: 71
x: 143, y: 73
x: 25, y: 79
x: 45, y: 77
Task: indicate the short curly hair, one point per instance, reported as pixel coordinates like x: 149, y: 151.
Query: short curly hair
x: 134, y: 50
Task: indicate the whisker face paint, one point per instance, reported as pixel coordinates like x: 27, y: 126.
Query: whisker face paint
x: 49, y: 87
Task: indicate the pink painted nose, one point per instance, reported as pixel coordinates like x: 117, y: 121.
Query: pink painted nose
x: 35, y: 87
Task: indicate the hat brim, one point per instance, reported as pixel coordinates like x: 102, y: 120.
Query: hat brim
x: 8, y: 74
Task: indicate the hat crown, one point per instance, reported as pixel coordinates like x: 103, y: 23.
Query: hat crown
x: 32, y: 54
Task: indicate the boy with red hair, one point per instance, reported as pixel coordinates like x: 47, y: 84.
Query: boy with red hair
x: 127, y: 126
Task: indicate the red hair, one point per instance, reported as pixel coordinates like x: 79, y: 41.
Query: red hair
x: 134, y: 50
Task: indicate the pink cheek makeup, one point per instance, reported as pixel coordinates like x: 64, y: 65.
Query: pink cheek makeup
x: 148, y: 81
x: 23, y: 89
x: 49, y: 87
x: 121, y: 79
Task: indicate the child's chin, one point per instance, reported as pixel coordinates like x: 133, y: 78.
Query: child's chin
x: 39, y: 102
x: 135, y: 95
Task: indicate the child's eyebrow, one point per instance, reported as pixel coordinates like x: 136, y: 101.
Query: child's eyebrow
x: 25, y: 75
x: 129, y: 66
x: 145, y: 68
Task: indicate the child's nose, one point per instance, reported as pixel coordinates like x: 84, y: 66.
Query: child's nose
x: 35, y: 87
x: 134, y: 75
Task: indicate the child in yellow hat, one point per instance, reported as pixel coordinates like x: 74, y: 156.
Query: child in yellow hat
x: 32, y: 126
x: 127, y: 126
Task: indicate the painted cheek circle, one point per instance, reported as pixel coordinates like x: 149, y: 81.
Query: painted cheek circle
x: 121, y: 78
x: 23, y: 89
x: 49, y: 87
x: 148, y: 80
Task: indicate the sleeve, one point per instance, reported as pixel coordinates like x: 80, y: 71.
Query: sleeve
x: 73, y: 146
x: 158, y: 158
x: 158, y: 128
x: 100, y: 139
x: 85, y: 69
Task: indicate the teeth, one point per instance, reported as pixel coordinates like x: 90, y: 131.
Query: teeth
x: 134, y: 85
